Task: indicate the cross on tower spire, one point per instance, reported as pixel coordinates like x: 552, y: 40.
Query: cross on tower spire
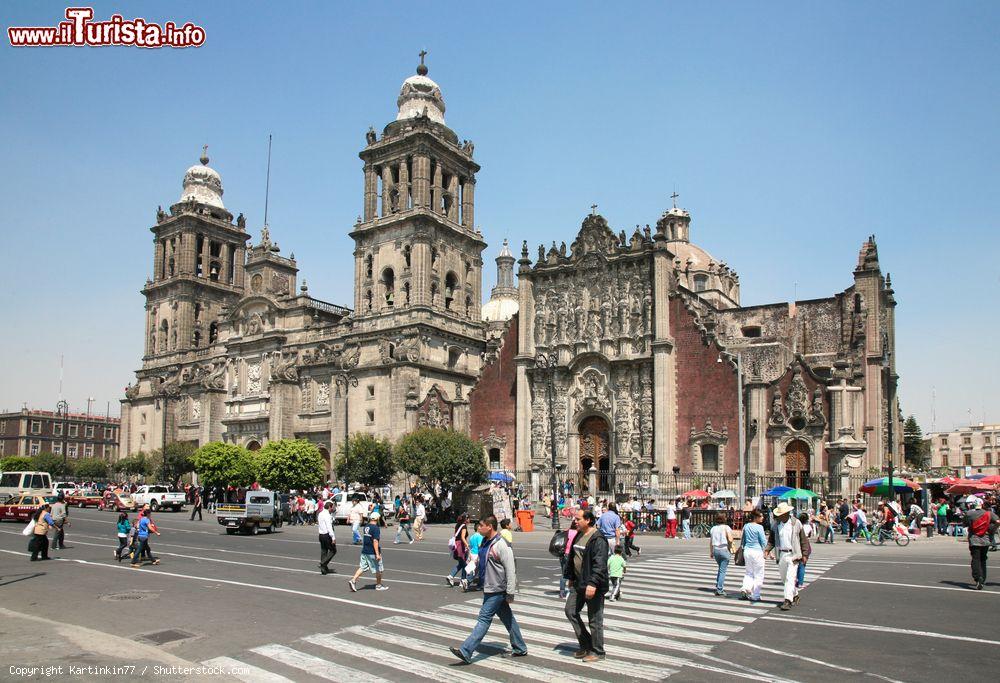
x: 593, y: 209
x: 422, y: 68
x: 204, y: 155
x: 674, y: 197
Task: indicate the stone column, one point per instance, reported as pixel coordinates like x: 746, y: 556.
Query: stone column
x: 436, y: 189
x: 206, y: 257
x: 523, y: 417
x: 453, y: 191
x: 664, y: 374
x: 158, y: 257
x: 421, y: 179
x: 188, y: 247
x: 386, y: 188
x: 224, y: 276
x: 240, y: 262
x: 420, y: 273
x: 404, y: 186
x: 370, y: 197
x: 468, y: 203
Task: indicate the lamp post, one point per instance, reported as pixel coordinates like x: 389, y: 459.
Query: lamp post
x: 62, y: 408
x: 887, y: 369
x: 548, y: 363
x: 344, y: 380
x: 738, y: 357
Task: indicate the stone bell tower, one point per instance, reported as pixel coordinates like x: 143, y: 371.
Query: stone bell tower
x: 418, y: 264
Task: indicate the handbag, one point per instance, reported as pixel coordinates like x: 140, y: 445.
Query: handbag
x: 30, y: 529
x: 739, y: 560
x: 557, y: 546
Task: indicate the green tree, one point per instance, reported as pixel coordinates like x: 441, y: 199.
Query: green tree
x: 137, y: 464
x: 224, y: 464
x: 289, y: 464
x: 53, y: 464
x: 91, y: 468
x: 16, y: 463
x: 442, y: 457
x: 915, y: 450
x: 175, y: 460
x: 370, y: 461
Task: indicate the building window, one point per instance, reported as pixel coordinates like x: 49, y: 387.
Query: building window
x: 751, y: 331
x: 989, y: 458
x: 968, y: 459
x: 142, y: 438
x: 944, y: 440
x: 986, y: 441
x: 88, y: 450
x: 36, y: 427
x: 966, y: 440
x: 142, y: 418
x: 57, y: 448
x: 494, y: 458
x: 74, y: 430
x: 371, y: 391
x: 57, y: 428
x: 89, y: 431
x: 72, y: 450
x: 108, y: 432
x: 369, y: 417
x: 710, y: 457
x: 700, y: 283
x: 34, y: 448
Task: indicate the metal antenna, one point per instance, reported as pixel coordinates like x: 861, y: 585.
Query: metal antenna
x: 267, y: 187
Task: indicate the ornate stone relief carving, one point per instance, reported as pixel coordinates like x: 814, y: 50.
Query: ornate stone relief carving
x: 322, y: 395
x: 254, y: 382
x: 435, y: 411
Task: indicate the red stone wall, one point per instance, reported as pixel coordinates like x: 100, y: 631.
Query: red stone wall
x: 493, y: 402
x: 706, y: 389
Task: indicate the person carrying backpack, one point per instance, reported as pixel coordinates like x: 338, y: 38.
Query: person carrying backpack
x: 982, y: 526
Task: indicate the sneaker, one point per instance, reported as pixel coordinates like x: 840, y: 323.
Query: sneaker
x: 795, y: 600
x: 381, y: 587
x: 594, y: 658
x: 744, y: 595
x: 519, y: 654
x: 411, y: 542
x: 638, y: 552
x: 156, y: 562
x: 979, y: 585
x: 458, y: 653
x: 396, y: 542
x: 353, y: 586
x: 580, y: 654
x: 786, y: 605
x: 450, y: 580
x: 465, y: 584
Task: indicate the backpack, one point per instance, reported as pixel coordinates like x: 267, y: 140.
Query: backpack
x: 981, y: 525
x: 557, y: 546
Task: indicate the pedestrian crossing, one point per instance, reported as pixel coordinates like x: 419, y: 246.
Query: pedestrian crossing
x: 669, y: 618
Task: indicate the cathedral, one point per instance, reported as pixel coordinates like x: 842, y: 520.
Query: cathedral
x: 620, y: 352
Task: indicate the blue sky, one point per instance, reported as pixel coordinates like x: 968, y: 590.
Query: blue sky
x: 791, y: 131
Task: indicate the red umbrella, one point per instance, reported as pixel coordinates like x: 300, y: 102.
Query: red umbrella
x: 948, y: 481
x: 696, y: 493
x: 993, y: 479
x: 966, y: 486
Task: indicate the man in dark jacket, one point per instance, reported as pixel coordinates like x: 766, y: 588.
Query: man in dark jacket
x: 982, y: 527
x: 587, y: 572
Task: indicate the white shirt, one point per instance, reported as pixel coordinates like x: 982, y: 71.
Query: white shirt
x: 357, y: 512
x: 324, y: 523
x: 785, y: 531
x: 671, y: 511
x: 720, y: 538
x: 421, y: 511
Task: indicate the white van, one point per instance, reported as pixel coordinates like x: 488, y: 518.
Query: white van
x: 343, y: 502
x: 25, y: 483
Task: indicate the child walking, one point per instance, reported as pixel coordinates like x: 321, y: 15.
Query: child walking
x: 616, y: 572
x: 124, y: 527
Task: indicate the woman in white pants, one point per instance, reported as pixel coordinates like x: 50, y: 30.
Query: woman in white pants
x: 753, y: 543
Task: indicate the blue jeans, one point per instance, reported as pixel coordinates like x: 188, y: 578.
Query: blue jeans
x: 857, y: 529
x: 459, y: 569
x: 686, y: 528
x: 494, y: 604
x: 800, y: 576
x: 722, y: 558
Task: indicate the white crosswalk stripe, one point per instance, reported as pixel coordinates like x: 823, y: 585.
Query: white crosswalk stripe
x: 669, y: 618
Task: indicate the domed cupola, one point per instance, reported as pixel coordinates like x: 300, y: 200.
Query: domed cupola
x: 203, y: 184
x: 419, y: 96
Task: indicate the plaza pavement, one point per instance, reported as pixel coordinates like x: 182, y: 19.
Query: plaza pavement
x: 259, y: 605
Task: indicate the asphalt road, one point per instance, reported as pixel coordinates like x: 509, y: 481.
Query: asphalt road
x: 259, y: 604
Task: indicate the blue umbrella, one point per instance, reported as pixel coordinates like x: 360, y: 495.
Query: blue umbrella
x: 501, y: 476
x: 777, y: 491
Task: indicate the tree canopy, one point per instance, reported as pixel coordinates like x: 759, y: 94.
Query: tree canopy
x: 369, y: 461
x: 91, y: 468
x: 16, y: 463
x: 224, y: 464
x: 915, y: 449
x: 137, y: 464
x: 175, y: 460
x: 53, y: 464
x: 442, y: 457
x: 289, y: 464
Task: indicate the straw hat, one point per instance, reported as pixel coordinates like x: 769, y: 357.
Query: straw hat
x: 782, y: 509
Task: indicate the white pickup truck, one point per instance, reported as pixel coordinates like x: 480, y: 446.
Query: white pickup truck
x: 159, y: 496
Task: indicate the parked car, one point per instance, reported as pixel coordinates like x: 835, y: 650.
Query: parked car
x: 118, y: 501
x: 64, y: 487
x: 14, y: 484
x: 159, y: 496
x: 20, y: 508
x: 83, y: 499
x: 343, y: 502
x: 261, y: 511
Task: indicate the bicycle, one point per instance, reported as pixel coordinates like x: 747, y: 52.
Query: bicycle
x: 880, y: 535
x: 701, y: 530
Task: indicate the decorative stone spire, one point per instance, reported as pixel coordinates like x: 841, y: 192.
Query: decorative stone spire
x: 503, y: 303
x: 202, y: 183
x: 420, y: 96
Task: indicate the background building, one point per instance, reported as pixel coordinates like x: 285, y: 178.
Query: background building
x: 975, y: 447
x: 78, y: 435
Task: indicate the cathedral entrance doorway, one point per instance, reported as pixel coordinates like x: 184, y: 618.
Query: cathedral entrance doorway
x: 797, y: 464
x: 594, y: 452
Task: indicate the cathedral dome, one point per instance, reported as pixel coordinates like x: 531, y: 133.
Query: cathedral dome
x: 499, y: 309
x: 203, y: 184
x: 420, y: 95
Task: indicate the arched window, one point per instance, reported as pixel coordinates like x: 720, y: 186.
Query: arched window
x: 450, y: 284
x: 170, y: 267
x: 368, y: 266
x: 495, y: 459
x: 213, y: 333
x: 253, y: 446
x: 700, y: 283
x: 214, y: 269
x: 710, y: 457
x: 389, y: 286
x: 196, y: 339
x: 368, y: 301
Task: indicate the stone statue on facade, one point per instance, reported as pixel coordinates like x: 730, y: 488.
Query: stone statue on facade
x: 370, y: 136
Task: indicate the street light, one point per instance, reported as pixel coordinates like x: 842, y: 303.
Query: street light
x: 62, y: 408
x: 887, y: 368
x: 738, y: 357
x: 548, y: 364
x: 344, y: 380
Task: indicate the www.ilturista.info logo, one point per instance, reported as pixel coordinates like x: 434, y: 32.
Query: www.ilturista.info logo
x: 79, y: 30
